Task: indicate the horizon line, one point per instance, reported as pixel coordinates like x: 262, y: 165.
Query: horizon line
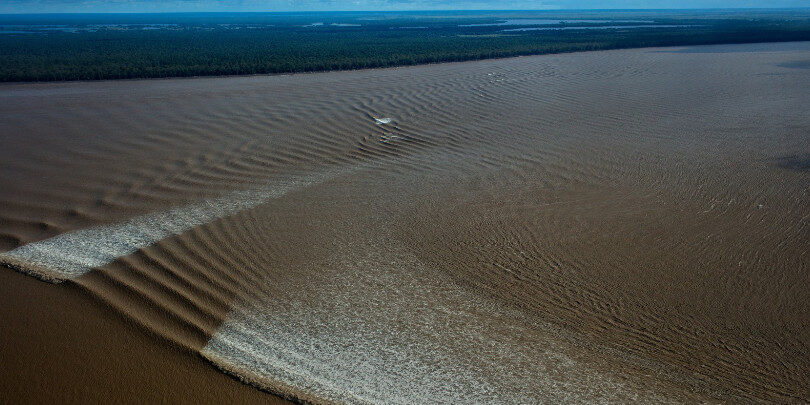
x: 416, y: 11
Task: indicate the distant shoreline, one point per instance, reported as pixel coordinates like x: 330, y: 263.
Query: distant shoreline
x: 83, y: 47
x: 225, y: 76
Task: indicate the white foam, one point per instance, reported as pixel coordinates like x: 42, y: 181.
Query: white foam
x: 74, y: 253
x: 382, y: 121
x: 377, y: 326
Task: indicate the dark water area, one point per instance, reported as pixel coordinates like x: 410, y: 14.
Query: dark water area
x: 598, y: 27
x: 795, y: 162
x: 530, y: 21
x: 797, y: 64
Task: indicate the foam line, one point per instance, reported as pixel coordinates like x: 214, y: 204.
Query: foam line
x: 72, y: 254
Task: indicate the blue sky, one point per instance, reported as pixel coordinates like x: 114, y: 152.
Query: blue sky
x: 57, y: 6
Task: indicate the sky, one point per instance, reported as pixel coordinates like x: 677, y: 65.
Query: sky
x: 119, y: 6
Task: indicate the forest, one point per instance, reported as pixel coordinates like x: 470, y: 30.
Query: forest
x: 126, y: 46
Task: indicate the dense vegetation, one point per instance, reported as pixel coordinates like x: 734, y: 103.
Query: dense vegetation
x: 88, y: 47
